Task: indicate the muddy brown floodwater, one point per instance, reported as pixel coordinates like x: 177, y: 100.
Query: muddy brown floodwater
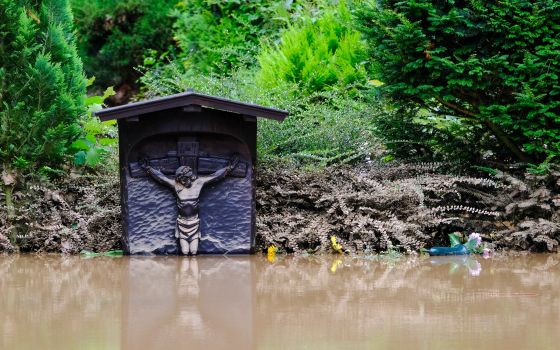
x: 319, y: 302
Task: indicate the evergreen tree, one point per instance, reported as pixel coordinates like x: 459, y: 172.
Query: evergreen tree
x: 492, y: 63
x: 42, y: 85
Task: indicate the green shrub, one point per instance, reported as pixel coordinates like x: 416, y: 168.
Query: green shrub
x: 42, y: 86
x: 114, y: 36
x: 217, y: 36
x: 412, y: 134
x: 42, y: 89
x: 316, y: 53
x: 99, y: 139
x: 491, y: 65
x: 323, y: 128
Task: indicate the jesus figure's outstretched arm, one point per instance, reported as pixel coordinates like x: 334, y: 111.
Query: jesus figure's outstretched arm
x: 221, y: 173
x: 157, y: 175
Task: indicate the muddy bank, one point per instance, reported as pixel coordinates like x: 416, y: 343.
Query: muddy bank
x: 66, y: 215
x: 408, y: 206
x: 368, y: 209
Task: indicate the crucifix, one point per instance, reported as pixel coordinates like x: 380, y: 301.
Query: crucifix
x: 187, y: 187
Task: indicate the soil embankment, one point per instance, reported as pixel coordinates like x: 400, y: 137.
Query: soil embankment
x: 410, y: 206
x: 70, y: 214
x: 368, y: 208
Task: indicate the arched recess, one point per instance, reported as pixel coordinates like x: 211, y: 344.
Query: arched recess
x: 226, y: 207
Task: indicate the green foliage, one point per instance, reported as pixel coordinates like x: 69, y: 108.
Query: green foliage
x: 42, y: 86
x: 412, y: 133
x: 323, y: 128
x: 487, y: 170
x: 115, y: 34
x: 99, y: 139
x: 316, y: 53
x: 491, y: 64
x: 543, y: 168
x: 217, y: 36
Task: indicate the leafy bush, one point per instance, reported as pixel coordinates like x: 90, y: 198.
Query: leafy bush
x: 323, y: 128
x: 99, y: 138
x: 316, y: 53
x: 490, y: 64
x: 115, y: 34
x: 413, y: 133
x: 42, y: 86
x: 217, y: 36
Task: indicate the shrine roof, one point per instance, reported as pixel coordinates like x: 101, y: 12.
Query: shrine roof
x: 187, y: 99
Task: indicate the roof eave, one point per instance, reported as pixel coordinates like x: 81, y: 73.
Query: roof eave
x: 187, y: 99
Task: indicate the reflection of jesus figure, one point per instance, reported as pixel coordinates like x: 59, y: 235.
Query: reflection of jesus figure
x: 187, y: 188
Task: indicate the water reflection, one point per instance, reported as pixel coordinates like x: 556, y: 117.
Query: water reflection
x: 509, y: 303
x: 60, y: 302
x: 192, y: 303
x: 456, y: 263
x: 325, y: 302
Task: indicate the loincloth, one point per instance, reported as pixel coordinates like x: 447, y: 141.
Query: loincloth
x: 188, y: 228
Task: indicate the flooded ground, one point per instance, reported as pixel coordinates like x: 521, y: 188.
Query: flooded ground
x: 326, y: 302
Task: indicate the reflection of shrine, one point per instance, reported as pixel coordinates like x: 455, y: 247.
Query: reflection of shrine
x: 189, y: 299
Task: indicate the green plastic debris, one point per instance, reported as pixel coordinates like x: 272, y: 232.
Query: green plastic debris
x: 89, y: 254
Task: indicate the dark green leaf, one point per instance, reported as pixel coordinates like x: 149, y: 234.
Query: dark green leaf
x: 80, y: 158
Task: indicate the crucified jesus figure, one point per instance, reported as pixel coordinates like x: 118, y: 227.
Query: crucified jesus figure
x: 187, y: 187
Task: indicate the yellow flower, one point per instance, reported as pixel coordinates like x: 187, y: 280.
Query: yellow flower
x: 271, y: 253
x: 336, y: 246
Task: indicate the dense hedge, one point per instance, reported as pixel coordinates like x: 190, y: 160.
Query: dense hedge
x: 488, y: 63
x: 42, y: 85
